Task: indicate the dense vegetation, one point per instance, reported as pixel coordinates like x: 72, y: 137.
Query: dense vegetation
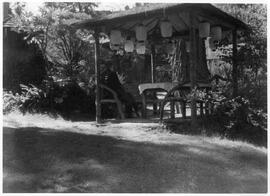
x: 245, y: 114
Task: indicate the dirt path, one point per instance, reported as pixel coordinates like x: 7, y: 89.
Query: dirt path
x: 46, y: 155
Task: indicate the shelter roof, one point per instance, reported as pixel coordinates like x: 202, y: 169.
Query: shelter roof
x: 151, y: 14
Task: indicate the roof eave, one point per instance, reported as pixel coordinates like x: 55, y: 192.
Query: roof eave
x: 155, y: 12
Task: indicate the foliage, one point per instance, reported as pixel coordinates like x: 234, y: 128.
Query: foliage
x: 235, y: 118
x: 62, y: 46
x: 252, y: 44
x: 52, y: 98
x: 235, y: 114
x: 29, y: 100
x: 251, y: 54
x: 11, y: 102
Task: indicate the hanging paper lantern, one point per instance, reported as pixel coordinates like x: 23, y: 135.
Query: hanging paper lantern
x: 123, y: 40
x: 129, y: 46
x: 204, y: 29
x: 115, y: 37
x: 141, y: 33
x: 211, y: 43
x: 216, y: 33
x: 166, y: 28
x: 114, y: 46
x: 133, y: 39
x: 170, y: 48
x: 120, y: 52
x: 187, y: 43
x: 140, y: 48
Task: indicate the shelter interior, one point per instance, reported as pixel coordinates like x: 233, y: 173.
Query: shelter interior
x: 163, y: 42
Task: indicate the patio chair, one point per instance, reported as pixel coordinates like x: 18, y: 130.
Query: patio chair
x: 114, y: 99
x: 179, y: 94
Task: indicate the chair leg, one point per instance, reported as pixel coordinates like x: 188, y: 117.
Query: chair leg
x: 207, y: 108
x: 172, y: 109
x: 162, y: 105
x: 177, y: 105
x: 183, y: 109
x: 120, y: 110
x: 143, y: 105
x: 154, y: 108
x: 211, y: 108
x: 201, y: 109
x: 159, y: 107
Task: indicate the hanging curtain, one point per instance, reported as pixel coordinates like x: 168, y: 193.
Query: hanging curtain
x: 181, y: 63
x: 202, y: 73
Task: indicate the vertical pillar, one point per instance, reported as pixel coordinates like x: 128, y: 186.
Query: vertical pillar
x: 153, y: 63
x: 97, y: 74
x: 193, y: 60
x: 234, y: 63
x: 153, y: 54
x: 6, y: 10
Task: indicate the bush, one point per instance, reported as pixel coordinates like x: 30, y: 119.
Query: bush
x: 11, y: 102
x: 238, y: 119
x: 52, y: 99
x: 235, y: 112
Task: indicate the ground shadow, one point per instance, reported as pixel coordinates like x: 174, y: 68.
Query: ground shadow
x: 46, y: 160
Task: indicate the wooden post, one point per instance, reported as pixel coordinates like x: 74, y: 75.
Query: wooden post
x: 153, y: 54
x: 153, y: 63
x: 193, y: 60
x: 97, y: 73
x: 234, y: 63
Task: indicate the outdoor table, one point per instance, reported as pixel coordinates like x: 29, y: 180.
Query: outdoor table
x: 166, y: 86
x: 153, y: 87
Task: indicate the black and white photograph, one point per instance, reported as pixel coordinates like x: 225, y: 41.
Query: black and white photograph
x: 134, y: 97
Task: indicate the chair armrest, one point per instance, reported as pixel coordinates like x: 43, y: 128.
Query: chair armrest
x: 110, y: 90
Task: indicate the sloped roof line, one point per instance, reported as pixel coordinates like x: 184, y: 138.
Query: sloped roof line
x: 157, y: 9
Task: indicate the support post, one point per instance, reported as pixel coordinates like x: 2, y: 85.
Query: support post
x: 193, y: 60
x: 153, y: 54
x: 234, y: 63
x: 153, y: 63
x: 97, y: 73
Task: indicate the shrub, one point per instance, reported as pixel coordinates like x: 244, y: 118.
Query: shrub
x: 11, y: 102
x: 52, y: 99
x: 34, y: 100
x: 238, y: 119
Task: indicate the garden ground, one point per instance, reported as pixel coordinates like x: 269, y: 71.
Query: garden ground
x: 41, y: 154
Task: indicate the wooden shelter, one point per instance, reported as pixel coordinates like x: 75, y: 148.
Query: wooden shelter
x: 186, y: 20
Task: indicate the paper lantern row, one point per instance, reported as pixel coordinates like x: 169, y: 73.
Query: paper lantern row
x: 165, y: 28
x: 214, y: 32
x: 141, y: 32
x: 129, y: 46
